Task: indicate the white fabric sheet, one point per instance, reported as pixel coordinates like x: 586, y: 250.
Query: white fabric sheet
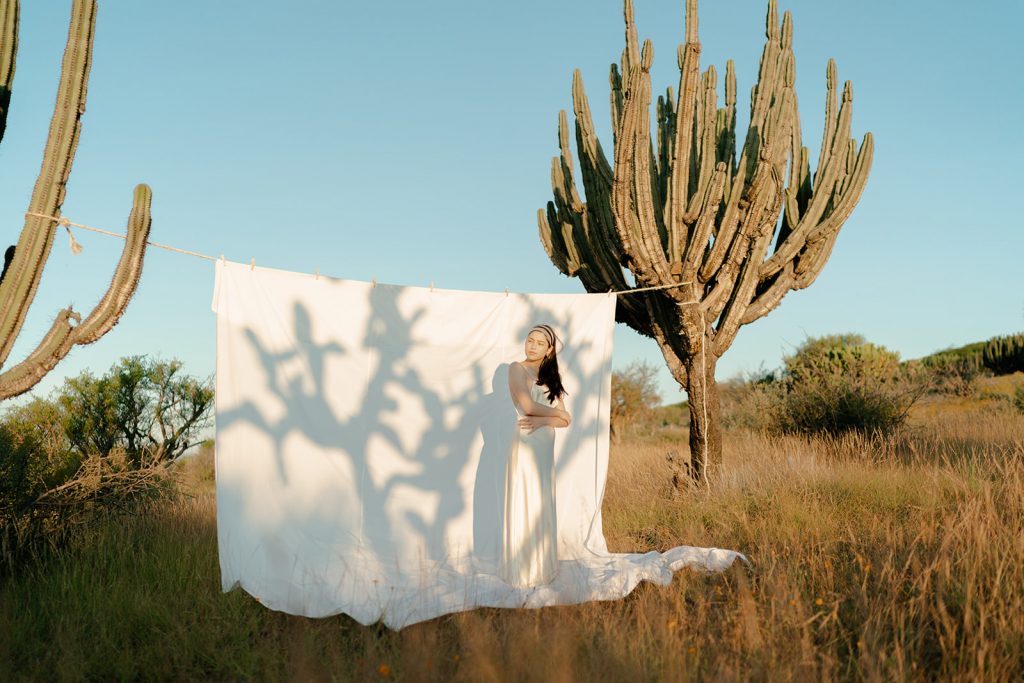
x: 361, y: 437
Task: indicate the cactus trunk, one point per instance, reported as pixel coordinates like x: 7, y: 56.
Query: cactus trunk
x: 705, y: 413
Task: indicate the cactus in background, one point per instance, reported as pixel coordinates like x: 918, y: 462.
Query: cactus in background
x: 683, y: 210
x: 18, y: 288
x: 1004, y: 355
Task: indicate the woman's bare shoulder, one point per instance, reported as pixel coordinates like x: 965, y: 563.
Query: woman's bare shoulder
x: 517, y: 373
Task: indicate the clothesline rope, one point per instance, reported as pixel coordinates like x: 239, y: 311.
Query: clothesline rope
x: 68, y: 224
x: 63, y: 220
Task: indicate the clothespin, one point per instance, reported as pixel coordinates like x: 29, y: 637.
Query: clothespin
x: 252, y: 263
x: 317, y: 273
x: 223, y: 261
x: 374, y: 283
x: 506, y: 291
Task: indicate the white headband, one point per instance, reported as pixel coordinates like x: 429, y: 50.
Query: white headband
x: 548, y: 332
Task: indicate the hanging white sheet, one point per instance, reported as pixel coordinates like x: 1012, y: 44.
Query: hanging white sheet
x: 360, y: 444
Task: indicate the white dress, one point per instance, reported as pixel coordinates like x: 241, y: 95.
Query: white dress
x: 528, y: 545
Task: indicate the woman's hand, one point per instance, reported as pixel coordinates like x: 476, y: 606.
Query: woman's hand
x: 533, y: 423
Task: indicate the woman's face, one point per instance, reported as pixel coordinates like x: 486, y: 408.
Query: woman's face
x: 537, y: 346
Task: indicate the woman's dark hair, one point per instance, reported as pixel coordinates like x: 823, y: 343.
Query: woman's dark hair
x: 548, y: 374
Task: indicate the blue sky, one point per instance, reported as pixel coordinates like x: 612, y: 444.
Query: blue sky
x: 411, y: 142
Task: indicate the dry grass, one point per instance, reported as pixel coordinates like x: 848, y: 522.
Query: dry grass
x: 899, y: 559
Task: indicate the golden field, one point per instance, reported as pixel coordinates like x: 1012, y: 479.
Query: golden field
x: 888, y: 559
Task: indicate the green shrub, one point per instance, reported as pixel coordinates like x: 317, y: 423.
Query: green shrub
x: 840, y: 383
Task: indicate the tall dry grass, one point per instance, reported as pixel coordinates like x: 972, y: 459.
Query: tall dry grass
x: 872, y: 559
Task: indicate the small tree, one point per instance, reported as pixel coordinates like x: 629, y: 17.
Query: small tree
x: 149, y: 408
x: 634, y: 396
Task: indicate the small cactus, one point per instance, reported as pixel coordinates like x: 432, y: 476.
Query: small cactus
x: 682, y: 209
x: 21, y: 280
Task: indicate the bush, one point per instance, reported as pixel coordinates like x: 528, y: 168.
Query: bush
x: 44, y: 498
x: 840, y: 383
x: 99, y: 445
x: 948, y: 373
x: 753, y: 402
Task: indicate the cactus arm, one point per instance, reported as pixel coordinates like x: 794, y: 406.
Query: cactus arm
x: 757, y: 233
x: 548, y: 239
x: 705, y: 223
x: 825, y: 182
x: 590, y: 248
x: 126, y: 275
x: 568, y: 225
x: 19, y: 287
x: 9, y: 11
x: 727, y: 132
x: 831, y: 115
x: 688, y: 59
x: 744, y: 233
x: 631, y: 53
x: 650, y: 221
x: 773, y: 84
x: 704, y: 153
x: 54, y: 346
x: 837, y: 190
x: 632, y: 202
x: 819, y: 243
x: 666, y: 117
x: 771, y: 297
x: 597, y: 178
x: 62, y: 336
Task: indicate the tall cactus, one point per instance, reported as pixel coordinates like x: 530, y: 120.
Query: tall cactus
x: 18, y: 288
x: 683, y: 210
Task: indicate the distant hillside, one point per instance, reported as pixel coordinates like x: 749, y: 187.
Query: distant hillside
x: 1001, y: 355
x: 967, y: 350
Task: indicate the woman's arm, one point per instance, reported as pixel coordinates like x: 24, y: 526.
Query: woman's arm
x: 519, y: 387
x: 566, y: 418
x: 532, y: 423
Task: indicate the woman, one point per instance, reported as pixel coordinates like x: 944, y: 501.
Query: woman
x: 529, y: 538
